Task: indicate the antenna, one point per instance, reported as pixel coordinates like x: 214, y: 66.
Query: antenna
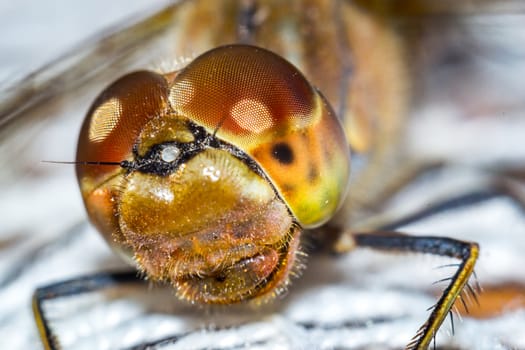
x: 223, y: 119
x: 81, y: 162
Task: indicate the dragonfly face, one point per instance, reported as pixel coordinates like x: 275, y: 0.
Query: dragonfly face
x: 191, y: 171
x: 349, y: 52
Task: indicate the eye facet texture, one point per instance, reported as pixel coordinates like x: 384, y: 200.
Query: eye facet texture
x: 263, y: 105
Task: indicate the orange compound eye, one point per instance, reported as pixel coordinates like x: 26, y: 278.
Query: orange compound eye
x: 260, y: 103
x: 116, y: 119
x: 109, y: 133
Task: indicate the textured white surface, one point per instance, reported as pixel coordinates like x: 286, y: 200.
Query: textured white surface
x: 365, y: 300
x: 356, y: 301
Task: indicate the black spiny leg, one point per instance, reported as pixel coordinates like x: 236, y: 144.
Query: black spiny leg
x: 467, y: 252
x: 68, y: 288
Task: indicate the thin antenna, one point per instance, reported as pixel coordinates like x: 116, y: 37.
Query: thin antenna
x: 81, y: 162
x: 219, y: 125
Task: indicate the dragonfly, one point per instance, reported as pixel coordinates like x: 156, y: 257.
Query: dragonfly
x: 411, y: 93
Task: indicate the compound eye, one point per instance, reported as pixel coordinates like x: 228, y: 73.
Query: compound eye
x: 115, y: 120
x: 249, y: 94
x: 260, y: 103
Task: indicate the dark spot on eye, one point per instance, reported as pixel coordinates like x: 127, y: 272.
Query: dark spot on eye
x: 283, y: 153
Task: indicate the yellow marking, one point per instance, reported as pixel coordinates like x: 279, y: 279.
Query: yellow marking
x: 46, y: 342
x: 455, y: 290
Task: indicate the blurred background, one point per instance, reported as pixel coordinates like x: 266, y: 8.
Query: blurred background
x: 467, y: 99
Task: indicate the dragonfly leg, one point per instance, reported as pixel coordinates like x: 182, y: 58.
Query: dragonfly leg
x: 71, y: 287
x: 341, y: 241
x: 387, y: 240
x: 467, y: 252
